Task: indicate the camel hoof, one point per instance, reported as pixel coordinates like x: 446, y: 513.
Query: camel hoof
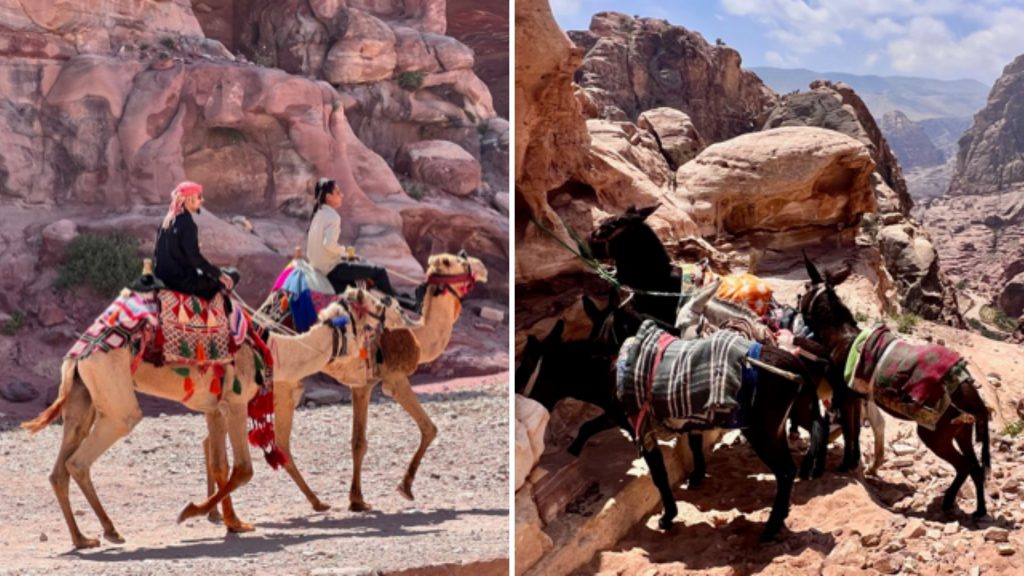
x: 239, y: 527
x: 359, y: 506
x: 405, y: 489
x: 214, y: 517
x: 190, y: 511
x: 83, y: 543
x: 114, y: 537
x: 321, y: 507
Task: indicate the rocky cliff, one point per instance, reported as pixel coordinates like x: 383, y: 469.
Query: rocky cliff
x: 979, y: 224
x: 107, y: 105
x: 909, y: 141
x: 634, y: 64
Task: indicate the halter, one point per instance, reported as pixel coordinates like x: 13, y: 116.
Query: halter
x: 448, y: 282
x: 810, y: 305
x: 339, y: 341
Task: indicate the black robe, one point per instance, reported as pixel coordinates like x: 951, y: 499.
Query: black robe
x: 178, y: 262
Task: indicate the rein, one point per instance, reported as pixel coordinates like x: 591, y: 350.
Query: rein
x: 458, y: 284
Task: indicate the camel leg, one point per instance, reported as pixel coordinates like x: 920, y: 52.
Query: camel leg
x: 360, y: 411
x: 115, y: 419
x: 218, y: 468
x: 211, y: 484
x: 284, y: 413
x: 401, y: 390
x: 241, y: 472
x: 78, y: 416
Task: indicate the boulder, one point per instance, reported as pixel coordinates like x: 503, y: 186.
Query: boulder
x: 56, y: 237
x: 449, y: 52
x: 531, y: 543
x: 19, y: 391
x: 531, y: 422
x: 365, y: 54
x: 440, y: 164
x: 677, y: 136
x: 778, y: 182
x: 1011, y: 298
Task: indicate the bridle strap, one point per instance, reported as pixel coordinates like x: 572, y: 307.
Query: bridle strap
x: 447, y: 282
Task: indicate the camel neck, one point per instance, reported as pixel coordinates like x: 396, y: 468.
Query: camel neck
x: 440, y: 311
x: 296, y: 357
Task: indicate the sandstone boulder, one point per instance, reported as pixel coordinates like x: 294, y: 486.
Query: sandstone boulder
x: 531, y: 422
x: 365, y: 54
x: 441, y: 164
x: 56, y: 237
x: 778, y: 181
x: 449, y: 52
x: 531, y: 541
x: 677, y: 136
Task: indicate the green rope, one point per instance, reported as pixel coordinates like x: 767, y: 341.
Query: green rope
x: 583, y: 254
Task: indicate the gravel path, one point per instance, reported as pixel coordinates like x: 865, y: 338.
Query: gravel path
x: 460, y: 514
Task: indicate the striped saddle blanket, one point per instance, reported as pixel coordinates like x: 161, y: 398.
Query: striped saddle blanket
x: 123, y: 323
x: 693, y: 383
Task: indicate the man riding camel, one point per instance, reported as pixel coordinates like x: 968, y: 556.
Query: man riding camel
x: 330, y: 258
x: 179, y: 264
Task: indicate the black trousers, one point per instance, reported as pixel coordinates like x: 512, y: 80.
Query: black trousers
x: 346, y: 274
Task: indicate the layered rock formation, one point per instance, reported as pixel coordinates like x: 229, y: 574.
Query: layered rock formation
x: 909, y: 141
x: 909, y: 257
x: 107, y: 105
x: 636, y: 64
x: 979, y: 225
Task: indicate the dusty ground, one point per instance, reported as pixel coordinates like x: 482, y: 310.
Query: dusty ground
x: 460, y: 516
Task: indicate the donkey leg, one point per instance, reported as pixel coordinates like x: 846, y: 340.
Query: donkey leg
x: 659, y: 475
x: 965, y: 441
x: 774, y: 452
x: 591, y: 427
x: 941, y: 443
x: 78, y: 416
x: 877, y: 422
x: 696, y: 444
x: 850, y: 421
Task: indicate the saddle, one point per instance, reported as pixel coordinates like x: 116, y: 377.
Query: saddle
x: 195, y: 331
x: 743, y: 289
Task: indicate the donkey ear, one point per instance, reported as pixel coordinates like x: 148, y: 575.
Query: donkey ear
x: 593, y: 312
x: 645, y: 212
x: 812, y: 271
x: 462, y: 254
x: 556, y: 333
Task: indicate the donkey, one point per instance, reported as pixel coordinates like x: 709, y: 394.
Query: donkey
x: 594, y: 367
x: 836, y: 328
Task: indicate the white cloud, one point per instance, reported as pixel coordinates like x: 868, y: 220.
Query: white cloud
x: 871, y: 59
x: 773, y: 58
x: 566, y: 7
x: 883, y: 27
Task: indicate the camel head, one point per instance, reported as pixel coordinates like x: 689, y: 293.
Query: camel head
x: 457, y: 271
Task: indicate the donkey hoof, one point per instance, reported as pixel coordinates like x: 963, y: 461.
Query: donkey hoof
x: 696, y: 481
x: 665, y: 522
x: 979, y: 513
x: 320, y: 506
x: 113, y: 536
x: 359, y: 506
x: 190, y: 511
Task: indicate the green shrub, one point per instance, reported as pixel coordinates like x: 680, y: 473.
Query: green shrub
x: 1013, y: 429
x: 481, y: 128
x: 906, y: 322
x: 860, y: 316
x: 998, y: 318
x: 470, y: 116
x: 230, y: 135
x: 168, y: 43
x: 985, y: 331
x: 107, y: 263
x: 11, y: 327
x: 414, y: 189
x: 410, y: 81
x: 961, y: 284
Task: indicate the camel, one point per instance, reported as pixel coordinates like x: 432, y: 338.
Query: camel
x: 97, y: 398
x: 449, y: 278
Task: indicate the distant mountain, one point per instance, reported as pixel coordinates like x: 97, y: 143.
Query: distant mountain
x: 917, y: 98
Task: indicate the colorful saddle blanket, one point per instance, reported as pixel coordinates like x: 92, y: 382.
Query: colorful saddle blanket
x: 195, y: 331
x: 299, y: 294
x: 122, y: 323
x: 914, y: 381
x: 702, y: 383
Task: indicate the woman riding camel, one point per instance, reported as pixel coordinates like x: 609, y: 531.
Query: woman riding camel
x: 330, y: 258
x: 179, y: 264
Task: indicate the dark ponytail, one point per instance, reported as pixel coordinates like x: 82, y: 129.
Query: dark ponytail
x: 324, y: 186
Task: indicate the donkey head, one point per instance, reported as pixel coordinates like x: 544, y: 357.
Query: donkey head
x: 820, y: 306
x: 615, y: 228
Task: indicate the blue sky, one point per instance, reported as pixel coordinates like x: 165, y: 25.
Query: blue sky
x: 945, y: 39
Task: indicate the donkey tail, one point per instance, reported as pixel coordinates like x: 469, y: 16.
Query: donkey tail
x: 67, y: 378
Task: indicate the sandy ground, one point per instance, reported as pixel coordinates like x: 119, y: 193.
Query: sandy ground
x: 460, y: 516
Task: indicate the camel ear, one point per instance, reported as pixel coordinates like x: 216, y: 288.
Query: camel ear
x: 812, y: 271
x: 593, y: 312
x: 463, y: 254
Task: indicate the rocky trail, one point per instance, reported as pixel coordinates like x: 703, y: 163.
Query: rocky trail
x: 458, y: 523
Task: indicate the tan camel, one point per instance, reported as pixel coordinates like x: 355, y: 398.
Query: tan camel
x: 449, y: 279
x: 97, y: 399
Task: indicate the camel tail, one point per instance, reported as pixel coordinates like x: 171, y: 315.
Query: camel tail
x: 67, y: 378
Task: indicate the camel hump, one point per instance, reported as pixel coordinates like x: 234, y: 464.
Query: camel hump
x: 401, y: 351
